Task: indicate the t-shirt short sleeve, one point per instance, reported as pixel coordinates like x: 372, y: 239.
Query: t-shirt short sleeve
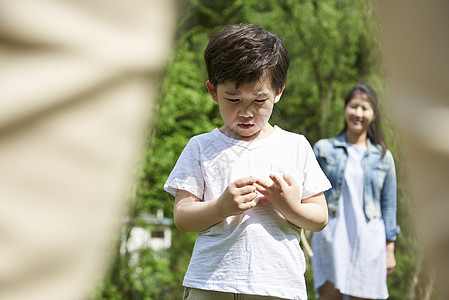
x: 187, y: 174
x: 315, y: 181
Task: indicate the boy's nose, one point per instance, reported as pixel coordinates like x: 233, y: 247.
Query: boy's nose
x: 246, y: 113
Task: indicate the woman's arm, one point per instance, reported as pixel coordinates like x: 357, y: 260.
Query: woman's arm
x: 389, y: 207
x: 389, y: 199
x: 391, y: 259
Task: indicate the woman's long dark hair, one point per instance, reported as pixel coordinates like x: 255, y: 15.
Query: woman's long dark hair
x: 375, y: 133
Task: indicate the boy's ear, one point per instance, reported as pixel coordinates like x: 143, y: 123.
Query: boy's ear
x: 278, y: 95
x: 212, y: 91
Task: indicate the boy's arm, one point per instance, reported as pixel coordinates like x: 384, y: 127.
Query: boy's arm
x: 312, y: 213
x: 283, y: 195
x: 193, y: 215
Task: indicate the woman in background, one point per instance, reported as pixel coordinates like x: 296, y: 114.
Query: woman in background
x: 355, y: 252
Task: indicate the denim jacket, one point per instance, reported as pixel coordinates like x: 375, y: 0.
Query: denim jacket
x: 379, y: 193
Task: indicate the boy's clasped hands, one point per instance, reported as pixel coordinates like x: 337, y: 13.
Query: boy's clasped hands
x: 281, y: 193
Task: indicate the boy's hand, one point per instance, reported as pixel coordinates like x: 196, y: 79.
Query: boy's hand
x: 281, y: 194
x: 238, y: 197
x: 284, y: 195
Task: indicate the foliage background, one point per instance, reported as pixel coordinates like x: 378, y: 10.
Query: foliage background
x: 332, y: 44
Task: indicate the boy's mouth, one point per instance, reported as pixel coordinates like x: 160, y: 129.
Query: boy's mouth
x: 245, y: 126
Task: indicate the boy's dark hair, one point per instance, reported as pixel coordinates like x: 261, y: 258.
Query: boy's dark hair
x: 375, y: 133
x: 243, y: 53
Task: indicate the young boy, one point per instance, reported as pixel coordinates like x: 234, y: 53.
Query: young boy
x: 248, y: 187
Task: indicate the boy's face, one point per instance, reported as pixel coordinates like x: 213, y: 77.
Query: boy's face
x: 245, y: 110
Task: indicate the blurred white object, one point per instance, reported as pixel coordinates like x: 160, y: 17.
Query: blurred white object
x: 156, y: 236
x: 76, y: 91
x: 416, y: 40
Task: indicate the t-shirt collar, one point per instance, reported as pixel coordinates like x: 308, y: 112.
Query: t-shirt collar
x: 245, y: 144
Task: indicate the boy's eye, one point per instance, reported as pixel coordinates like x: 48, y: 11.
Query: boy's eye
x: 261, y: 101
x: 233, y: 100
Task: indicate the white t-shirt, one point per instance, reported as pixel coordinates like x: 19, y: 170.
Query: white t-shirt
x: 257, y: 252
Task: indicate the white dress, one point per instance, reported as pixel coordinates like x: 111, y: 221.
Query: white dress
x: 351, y: 251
